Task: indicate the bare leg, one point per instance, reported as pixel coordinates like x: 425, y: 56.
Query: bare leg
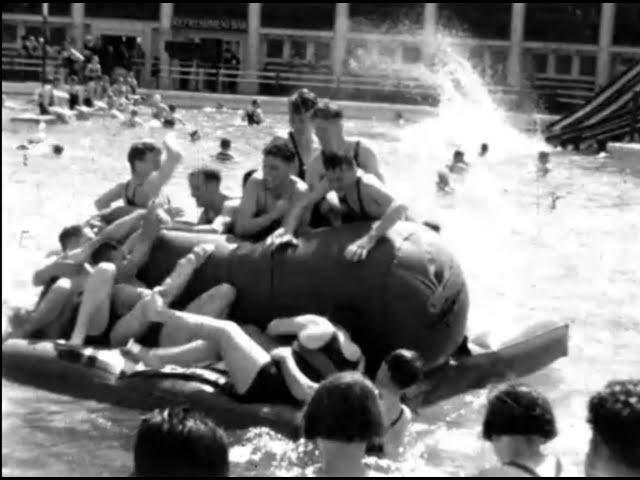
x: 93, y: 316
x: 174, y: 284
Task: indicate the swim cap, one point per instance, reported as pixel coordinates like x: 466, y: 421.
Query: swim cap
x: 58, y: 149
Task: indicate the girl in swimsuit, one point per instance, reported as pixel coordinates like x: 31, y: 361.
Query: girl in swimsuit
x: 301, y: 106
x: 363, y: 198
x: 518, y: 422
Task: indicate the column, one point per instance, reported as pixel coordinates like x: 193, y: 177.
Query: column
x: 605, y: 40
x: 166, y: 16
x: 254, y: 14
x: 514, y: 64
x: 77, y: 29
x: 430, y: 29
x: 340, y: 38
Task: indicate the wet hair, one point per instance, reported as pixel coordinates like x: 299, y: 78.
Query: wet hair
x: 458, y: 153
x: 134, y: 112
x: 405, y: 367
x: 614, y: 416
x: 208, y: 174
x: 179, y: 442
x: 67, y: 234
x: 302, y: 101
x: 139, y: 150
x: 255, y: 102
x: 327, y: 111
x: 73, y: 79
x: 280, y: 148
x: 172, y: 108
x: 247, y: 175
x: 344, y: 408
x: 334, y: 161
x: 103, y: 252
x: 484, y: 147
x: 519, y: 410
x: 225, y: 143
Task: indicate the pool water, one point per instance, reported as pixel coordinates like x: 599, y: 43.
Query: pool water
x: 524, y: 261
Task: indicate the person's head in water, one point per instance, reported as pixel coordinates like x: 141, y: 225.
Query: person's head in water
x: 134, y: 113
x: 543, y: 159
x: 301, y: 106
x: 255, y: 103
x: 75, y: 236
x: 518, y: 421
x: 458, y: 158
x: 178, y: 442
x: 614, y: 416
x: 204, y: 184
x: 400, y: 370
x: 172, y: 108
x: 327, y: 122
x: 277, y: 160
x: 484, y: 149
x: 341, y: 170
x: 343, y: 416
x: 144, y: 158
x: 225, y: 144
x: 110, y: 252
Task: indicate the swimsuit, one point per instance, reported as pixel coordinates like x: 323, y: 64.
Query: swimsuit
x: 531, y: 471
x: 268, y: 386
x: 252, y: 118
x: 376, y: 447
x: 130, y: 201
x: 302, y: 169
x: 74, y: 99
x: 349, y: 213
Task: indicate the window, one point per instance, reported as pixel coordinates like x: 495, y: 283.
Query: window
x: 323, y: 52
x: 540, y: 63
x: 563, y: 64
x: 411, y: 54
x: 489, y: 20
x: 627, y: 24
x: 136, y: 11
x: 563, y: 22
x: 587, y: 65
x: 304, y: 16
x: 298, y: 49
x: 275, y: 47
x: 9, y: 33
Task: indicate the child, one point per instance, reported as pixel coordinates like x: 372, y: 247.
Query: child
x: 458, y: 163
x: 253, y: 115
x: 148, y: 174
x: 224, y: 155
x: 170, y: 118
x: 133, y: 121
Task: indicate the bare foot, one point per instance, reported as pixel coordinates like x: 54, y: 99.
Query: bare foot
x: 152, y: 307
x: 139, y: 354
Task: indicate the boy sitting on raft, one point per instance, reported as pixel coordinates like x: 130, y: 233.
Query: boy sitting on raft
x: 149, y: 174
x: 362, y: 198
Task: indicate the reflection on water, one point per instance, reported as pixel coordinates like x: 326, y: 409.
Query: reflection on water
x: 524, y: 262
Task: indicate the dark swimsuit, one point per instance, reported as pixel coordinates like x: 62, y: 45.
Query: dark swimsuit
x: 268, y: 386
x: 130, y: 201
x: 318, y: 220
x: 302, y: 169
x: 103, y: 339
x: 169, y: 122
x: 349, y: 213
x: 252, y: 118
x: 530, y: 471
x: 74, y: 100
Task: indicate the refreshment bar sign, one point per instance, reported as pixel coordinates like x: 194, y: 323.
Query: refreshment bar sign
x: 232, y: 24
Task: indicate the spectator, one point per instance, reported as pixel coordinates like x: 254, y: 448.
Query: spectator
x: 178, y: 442
x: 138, y: 57
x: 132, y: 83
x: 614, y: 416
x: 90, y: 47
x: 93, y: 70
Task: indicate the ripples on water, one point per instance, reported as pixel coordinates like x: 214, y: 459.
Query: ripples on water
x: 524, y: 262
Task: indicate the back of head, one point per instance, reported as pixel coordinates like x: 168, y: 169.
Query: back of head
x: 139, y: 150
x: 280, y: 148
x: 405, y: 368
x: 225, y: 144
x: 180, y: 442
x: 519, y: 410
x: 302, y: 101
x: 335, y: 161
x: 344, y: 408
x: 172, y: 108
x: 614, y: 416
x: 247, y: 175
x: 208, y: 174
x: 327, y: 110
x: 68, y: 235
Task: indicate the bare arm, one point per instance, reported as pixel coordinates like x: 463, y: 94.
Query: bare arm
x: 302, y: 207
x: 114, y: 194
x: 124, y: 227
x: 392, y: 211
x: 159, y: 179
x: 299, y: 385
x: 57, y: 268
x: 369, y: 162
x: 247, y: 223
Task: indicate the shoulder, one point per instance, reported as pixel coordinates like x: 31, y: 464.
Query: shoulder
x: 364, y: 148
x: 370, y: 181
x: 501, y: 471
x: 299, y: 185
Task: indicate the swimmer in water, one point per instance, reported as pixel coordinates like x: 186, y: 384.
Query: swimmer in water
x: 484, y: 149
x: 171, y: 119
x: 444, y: 183
x: 362, y: 198
x: 458, y: 163
x: 253, y: 115
x: 134, y: 120
x: 224, y: 155
x: 158, y: 109
x: 149, y: 174
x: 543, y: 168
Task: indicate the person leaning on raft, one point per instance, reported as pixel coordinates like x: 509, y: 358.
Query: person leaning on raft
x: 362, y: 198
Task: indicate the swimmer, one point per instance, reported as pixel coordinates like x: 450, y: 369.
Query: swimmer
x: 44, y: 97
x: 444, y: 183
x: 362, y: 196
x: 218, y: 210
x: 253, y: 115
x: 484, y: 149
x: 133, y: 121
x: 301, y: 105
x: 158, y: 109
x: 518, y: 422
x: 543, y: 168
x: 149, y: 174
x: 195, y: 136
x: 170, y: 118
x: 74, y: 92
x: 458, y: 163
x: 224, y: 155
x: 178, y: 442
x: 614, y: 417
x: 268, y: 197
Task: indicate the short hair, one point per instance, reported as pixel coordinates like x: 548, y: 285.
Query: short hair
x: 73, y: 79
x: 180, y: 442
x: 458, y: 153
x: 247, y: 175
x: 103, y: 252
x: 281, y: 149
x: 344, y: 408
x: 134, y: 112
x: 255, y: 102
x: 302, y: 101
x: 519, y: 410
x: 484, y: 147
x: 208, y: 174
x: 614, y: 416
x: 405, y: 367
x: 139, y: 150
x: 334, y: 161
x: 48, y: 81
x: 225, y: 143
x: 327, y: 110
x: 67, y: 234
x: 172, y: 107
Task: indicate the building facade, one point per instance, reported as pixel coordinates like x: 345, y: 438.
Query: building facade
x: 508, y: 42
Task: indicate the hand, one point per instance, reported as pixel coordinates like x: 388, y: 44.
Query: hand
x: 171, y: 146
x: 280, y: 237
x: 359, y: 249
x: 201, y: 252
x: 151, y: 223
x: 280, y: 353
x: 174, y: 212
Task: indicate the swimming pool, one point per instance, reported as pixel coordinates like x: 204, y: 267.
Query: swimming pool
x: 523, y: 261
